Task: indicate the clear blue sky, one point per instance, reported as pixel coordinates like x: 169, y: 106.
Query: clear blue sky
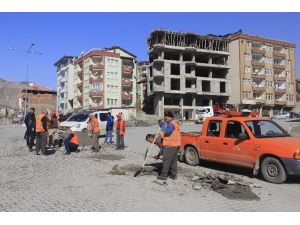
x: 58, y: 34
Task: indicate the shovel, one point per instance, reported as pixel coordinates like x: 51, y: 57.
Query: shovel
x: 142, y: 169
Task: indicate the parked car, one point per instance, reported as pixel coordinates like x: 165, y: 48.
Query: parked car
x: 79, y: 121
x: 204, y: 112
x: 281, y: 116
x: 244, y: 141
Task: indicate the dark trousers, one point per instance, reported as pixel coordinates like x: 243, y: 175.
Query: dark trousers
x: 30, y: 135
x: 169, y: 161
x: 41, y: 141
x: 70, y: 147
x: 119, y: 141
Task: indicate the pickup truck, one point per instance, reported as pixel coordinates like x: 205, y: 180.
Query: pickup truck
x: 245, y: 141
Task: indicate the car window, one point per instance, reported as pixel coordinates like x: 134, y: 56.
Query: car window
x: 266, y: 129
x: 214, y: 128
x: 234, y: 128
x: 78, y: 118
x: 103, y: 116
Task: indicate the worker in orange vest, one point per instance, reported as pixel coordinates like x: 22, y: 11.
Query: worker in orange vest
x: 71, y: 142
x: 120, y: 132
x: 170, y: 133
x: 41, y: 129
x: 94, y: 132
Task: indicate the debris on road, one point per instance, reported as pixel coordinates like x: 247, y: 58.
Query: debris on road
x: 225, y: 185
x: 116, y: 170
x: 138, y: 123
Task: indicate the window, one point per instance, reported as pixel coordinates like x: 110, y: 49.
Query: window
x: 287, y: 74
x: 246, y: 82
x: 214, y: 128
x: 247, y: 69
x: 116, y: 100
x: 234, y: 129
x: 108, y: 101
x: 111, y: 102
x: 265, y: 129
x: 103, y: 116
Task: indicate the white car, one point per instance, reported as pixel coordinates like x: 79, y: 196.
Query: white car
x: 203, y: 112
x: 282, y: 116
x: 79, y: 121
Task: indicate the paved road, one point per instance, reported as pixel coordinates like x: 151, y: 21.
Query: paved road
x: 81, y: 182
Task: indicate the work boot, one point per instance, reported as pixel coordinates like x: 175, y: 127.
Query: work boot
x: 161, y: 178
x: 173, y: 176
x: 30, y: 149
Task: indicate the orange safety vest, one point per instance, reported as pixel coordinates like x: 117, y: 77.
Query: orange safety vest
x: 39, y: 125
x: 75, y: 139
x: 94, y: 123
x: 174, y: 138
x: 121, y: 126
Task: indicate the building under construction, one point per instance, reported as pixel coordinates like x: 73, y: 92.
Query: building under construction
x: 186, y: 71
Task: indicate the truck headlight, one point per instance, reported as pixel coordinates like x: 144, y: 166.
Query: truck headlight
x: 297, y: 155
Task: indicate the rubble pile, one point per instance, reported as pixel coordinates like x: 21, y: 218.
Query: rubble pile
x: 226, y: 185
x: 116, y: 170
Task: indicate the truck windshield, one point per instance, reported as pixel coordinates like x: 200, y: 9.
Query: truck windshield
x: 78, y: 118
x: 266, y: 129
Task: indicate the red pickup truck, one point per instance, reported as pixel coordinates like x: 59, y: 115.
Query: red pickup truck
x: 245, y: 141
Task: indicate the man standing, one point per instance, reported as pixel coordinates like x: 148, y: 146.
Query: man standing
x: 53, y: 129
x: 71, y: 142
x: 120, y: 132
x: 41, y: 130
x: 30, y: 128
x: 170, y: 132
x: 109, y: 129
x: 94, y: 132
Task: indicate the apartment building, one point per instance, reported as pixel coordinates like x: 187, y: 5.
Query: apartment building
x: 105, y: 78
x: 264, y: 69
x: 64, y: 78
x: 186, y: 71
x: 141, y: 87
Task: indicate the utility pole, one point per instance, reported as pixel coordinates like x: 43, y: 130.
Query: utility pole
x: 27, y: 53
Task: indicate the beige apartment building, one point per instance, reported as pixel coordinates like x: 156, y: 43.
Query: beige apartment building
x: 105, y: 78
x: 262, y: 73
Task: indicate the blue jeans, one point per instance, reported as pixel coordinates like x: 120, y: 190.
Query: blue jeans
x: 70, y: 147
x: 108, y: 135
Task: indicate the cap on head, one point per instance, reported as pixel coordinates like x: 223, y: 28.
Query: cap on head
x: 169, y: 114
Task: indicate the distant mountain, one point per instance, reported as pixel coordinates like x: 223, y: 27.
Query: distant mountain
x: 9, y: 92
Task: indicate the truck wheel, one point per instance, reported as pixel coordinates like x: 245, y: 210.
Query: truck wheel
x: 273, y: 171
x: 191, y: 156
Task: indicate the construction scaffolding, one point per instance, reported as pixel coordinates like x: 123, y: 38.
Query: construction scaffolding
x: 171, y: 38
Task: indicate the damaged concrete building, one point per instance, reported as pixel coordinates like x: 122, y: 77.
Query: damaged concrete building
x: 187, y: 71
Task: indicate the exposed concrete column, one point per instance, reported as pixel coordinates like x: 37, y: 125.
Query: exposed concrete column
x: 210, y: 73
x: 182, y: 84
x: 181, y: 105
x: 194, y: 101
x: 162, y: 100
x: 182, y: 68
x: 193, y: 72
x: 210, y: 102
x: 180, y: 57
x: 194, y: 58
x: 215, y: 86
x: 162, y: 54
x: 199, y: 85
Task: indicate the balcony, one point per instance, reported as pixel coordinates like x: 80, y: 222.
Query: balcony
x: 97, y: 67
x: 258, y: 51
x: 126, y: 96
x: 280, y: 102
x: 80, y: 85
x: 260, y: 101
x: 127, y: 70
x: 279, y: 66
x: 279, y: 90
x: 79, y: 98
x: 80, y: 74
x: 279, y: 54
x: 258, y: 63
x: 278, y: 78
x: 96, y: 94
x: 258, y: 76
x: 258, y: 89
x: 96, y: 106
x: 127, y: 83
x: 96, y: 80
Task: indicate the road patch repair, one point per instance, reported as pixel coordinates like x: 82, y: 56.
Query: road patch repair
x: 226, y: 185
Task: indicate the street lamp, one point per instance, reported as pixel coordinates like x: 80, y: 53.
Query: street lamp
x: 27, y: 53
